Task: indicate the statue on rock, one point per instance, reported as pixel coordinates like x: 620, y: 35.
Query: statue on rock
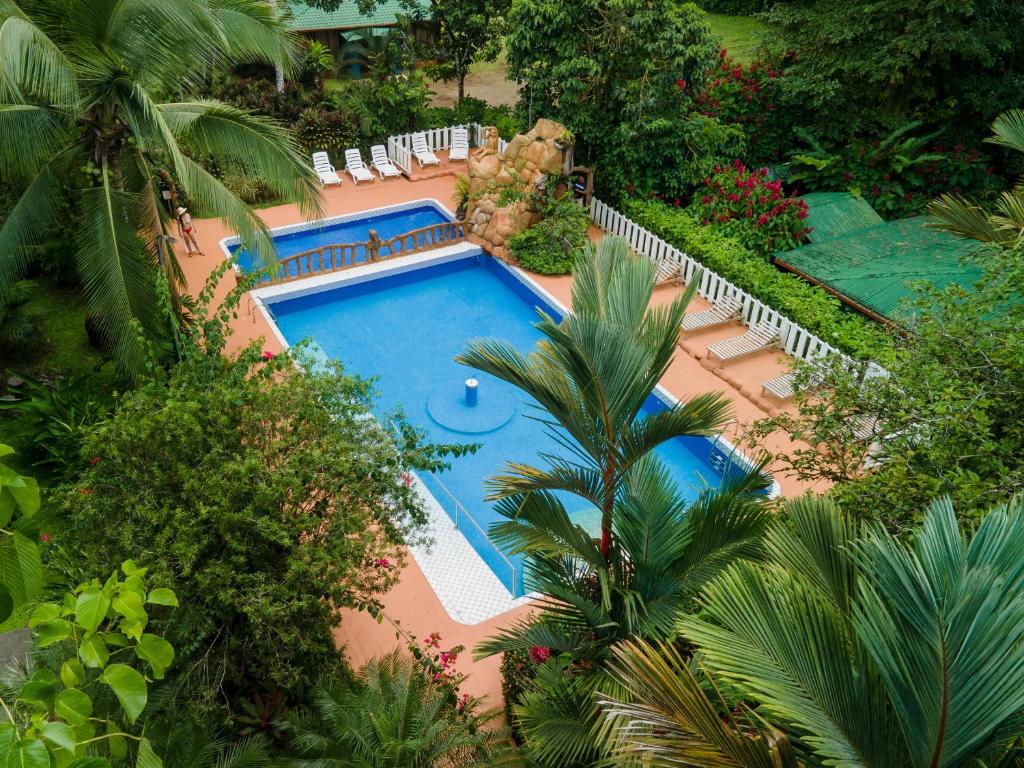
x: 524, y: 166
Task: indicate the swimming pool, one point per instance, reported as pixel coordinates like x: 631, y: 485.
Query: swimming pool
x: 351, y: 228
x: 405, y: 328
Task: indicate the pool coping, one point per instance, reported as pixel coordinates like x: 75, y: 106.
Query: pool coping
x: 460, y: 565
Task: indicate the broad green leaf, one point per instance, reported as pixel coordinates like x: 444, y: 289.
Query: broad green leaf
x: 44, y: 612
x: 93, y: 651
x: 74, y: 706
x: 72, y: 673
x: 6, y: 506
x: 50, y: 632
x: 32, y: 753
x: 129, y: 687
x: 21, y: 569
x: 134, y: 583
x: 157, y: 651
x: 115, y: 639
x: 147, y: 757
x: 162, y: 596
x: 8, y: 743
x: 129, y: 604
x: 133, y: 628
x: 39, y: 694
x: 6, y: 603
x: 24, y: 492
x: 91, y: 608
x: 61, y: 735
x: 129, y: 567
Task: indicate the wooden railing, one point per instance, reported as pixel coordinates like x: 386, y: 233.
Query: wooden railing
x: 335, y: 258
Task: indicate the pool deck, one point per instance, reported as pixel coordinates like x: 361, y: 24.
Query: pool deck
x: 412, y: 602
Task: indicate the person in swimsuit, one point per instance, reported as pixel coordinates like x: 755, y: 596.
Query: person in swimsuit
x: 188, y: 231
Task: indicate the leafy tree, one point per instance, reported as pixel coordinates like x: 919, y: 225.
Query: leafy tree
x: 868, y: 68
x: 391, y: 716
x: 848, y: 646
x: 90, y: 702
x: 592, y: 375
x: 81, y: 106
x: 468, y: 31
x: 614, y: 72
x: 948, y: 419
x: 266, y: 494
x: 1005, y: 224
x: 663, y: 552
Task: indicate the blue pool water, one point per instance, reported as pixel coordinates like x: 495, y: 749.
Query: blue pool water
x: 406, y: 329
x: 388, y: 225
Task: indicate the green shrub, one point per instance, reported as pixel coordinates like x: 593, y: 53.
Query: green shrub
x: 551, y: 246
x: 736, y: 7
x: 806, y: 305
x: 517, y: 672
x: 322, y: 129
x: 472, y: 110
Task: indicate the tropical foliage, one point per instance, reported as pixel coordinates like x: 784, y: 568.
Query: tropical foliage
x: 847, y: 646
x: 946, y: 421
x: 1004, y: 224
x: 288, y: 504
x: 393, y: 714
x: 552, y: 245
x: 82, y: 112
x: 592, y: 375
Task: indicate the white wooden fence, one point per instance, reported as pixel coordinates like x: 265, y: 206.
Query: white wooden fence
x: 796, y: 341
x: 400, y: 146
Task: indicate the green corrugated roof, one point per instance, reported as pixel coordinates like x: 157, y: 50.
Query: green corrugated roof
x: 834, y: 214
x: 875, y: 266
x: 347, y: 16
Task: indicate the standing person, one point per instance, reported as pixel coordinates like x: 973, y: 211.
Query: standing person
x: 188, y: 231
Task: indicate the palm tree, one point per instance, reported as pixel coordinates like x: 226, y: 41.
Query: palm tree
x: 82, y: 114
x: 592, y: 374
x: 851, y: 647
x: 1005, y: 224
x: 393, y: 715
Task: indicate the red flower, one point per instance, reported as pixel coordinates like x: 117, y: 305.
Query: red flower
x: 762, y: 219
x: 381, y: 562
x: 407, y: 479
x: 85, y: 491
x: 268, y: 355
x: 733, y: 197
x: 540, y: 654
x: 433, y: 640
x: 764, y: 171
x: 95, y: 460
x: 681, y: 84
x: 706, y: 199
x: 801, y: 214
x: 723, y: 53
x: 45, y: 537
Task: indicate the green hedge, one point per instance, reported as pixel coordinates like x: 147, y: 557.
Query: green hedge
x: 806, y: 305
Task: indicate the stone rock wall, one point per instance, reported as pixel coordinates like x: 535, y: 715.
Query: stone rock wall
x: 526, y: 161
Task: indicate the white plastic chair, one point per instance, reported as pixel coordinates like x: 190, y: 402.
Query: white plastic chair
x: 380, y: 162
x: 355, y: 167
x: 324, y: 169
x: 423, y: 153
x: 460, y: 144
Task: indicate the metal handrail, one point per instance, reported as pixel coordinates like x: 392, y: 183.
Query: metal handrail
x: 460, y: 513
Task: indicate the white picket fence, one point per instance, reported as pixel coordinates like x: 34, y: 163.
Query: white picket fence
x: 400, y: 146
x: 796, y: 341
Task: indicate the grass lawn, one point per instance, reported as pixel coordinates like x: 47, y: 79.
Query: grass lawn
x: 739, y: 34
x: 63, y: 347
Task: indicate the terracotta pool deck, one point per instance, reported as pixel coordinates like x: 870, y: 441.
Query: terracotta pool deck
x: 412, y: 602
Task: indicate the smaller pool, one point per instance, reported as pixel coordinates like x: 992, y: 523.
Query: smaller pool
x: 352, y: 228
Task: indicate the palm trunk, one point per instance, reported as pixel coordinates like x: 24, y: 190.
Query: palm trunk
x: 607, y: 508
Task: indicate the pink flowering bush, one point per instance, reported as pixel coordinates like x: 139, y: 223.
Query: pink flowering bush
x: 747, y: 96
x: 743, y: 203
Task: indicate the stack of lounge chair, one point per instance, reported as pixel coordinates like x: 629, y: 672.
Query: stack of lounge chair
x: 324, y: 169
x: 667, y: 273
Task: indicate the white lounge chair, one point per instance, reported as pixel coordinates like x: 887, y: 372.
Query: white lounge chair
x: 324, y: 169
x: 760, y: 336
x: 422, y: 152
x: 721, y: 312
x: 460, y: 145
x: 667, y: 273
x: 380, y: 162
x: 355, y: 167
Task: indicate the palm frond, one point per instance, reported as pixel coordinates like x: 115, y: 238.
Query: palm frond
x: 32, y: 66
x: 1008, y: 130
x: 960, y: 217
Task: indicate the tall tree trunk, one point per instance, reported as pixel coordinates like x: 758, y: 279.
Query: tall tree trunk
x: 462, y: 84
x: 278, y: 68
